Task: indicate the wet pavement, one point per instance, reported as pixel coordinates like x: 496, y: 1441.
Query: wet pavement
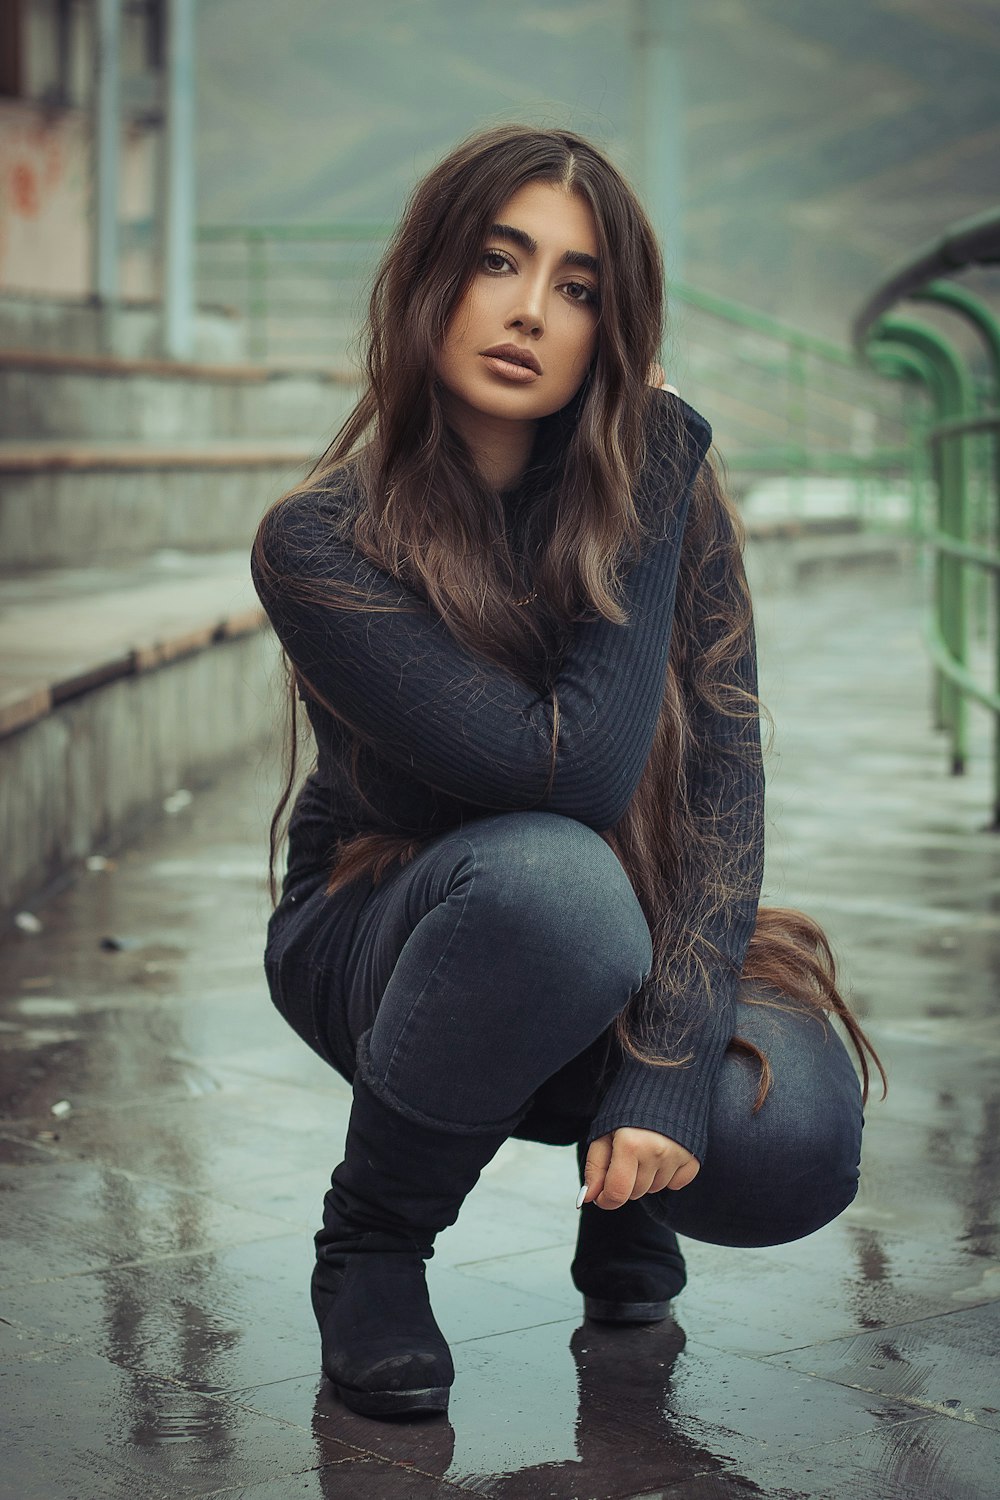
x: 166, y: 1143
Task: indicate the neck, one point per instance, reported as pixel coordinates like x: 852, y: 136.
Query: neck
x: 500, y: 448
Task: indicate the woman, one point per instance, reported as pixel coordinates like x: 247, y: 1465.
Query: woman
x: 522, y: 886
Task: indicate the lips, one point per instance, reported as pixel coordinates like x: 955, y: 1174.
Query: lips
x: 514, y: 354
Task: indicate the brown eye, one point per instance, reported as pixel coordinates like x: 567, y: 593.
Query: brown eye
x: 495, y: 261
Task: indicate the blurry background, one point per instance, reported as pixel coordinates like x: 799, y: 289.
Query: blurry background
x: 816, y: 142
x: 819, y: 140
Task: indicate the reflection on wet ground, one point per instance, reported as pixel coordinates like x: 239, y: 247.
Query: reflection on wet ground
x: 166, y: 1143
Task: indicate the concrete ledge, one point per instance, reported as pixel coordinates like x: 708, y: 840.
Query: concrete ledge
x: 39, y: 320
x: 43, y: 456
x: 792, y: 528
x: 117, y: 687
x: 24, y: 698
x: 49, y: 362
x: 77, y: 633
x: 60, y: 502
x: 89, y: 398
x: 86, y: 776
x: 778, y: 560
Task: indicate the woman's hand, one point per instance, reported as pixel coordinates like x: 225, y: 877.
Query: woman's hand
x: 629, y: 1163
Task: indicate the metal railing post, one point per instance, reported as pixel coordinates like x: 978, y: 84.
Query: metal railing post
x: 954, y: 400
x: 919, y: 375
x: 907, y: 363
x: 105, y: 229
x: 178, y: 312
x: 798, y: 424
x: 973, y: 310
x: 257, y: 293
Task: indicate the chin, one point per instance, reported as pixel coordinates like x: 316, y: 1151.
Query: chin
x: 521, y: 406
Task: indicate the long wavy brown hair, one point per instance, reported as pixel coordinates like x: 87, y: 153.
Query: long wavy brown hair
x: 428, y: 518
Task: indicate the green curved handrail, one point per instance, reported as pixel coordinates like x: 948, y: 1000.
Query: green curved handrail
x: 975, y: 311
x: 953, y: 397
x: 907, y: 348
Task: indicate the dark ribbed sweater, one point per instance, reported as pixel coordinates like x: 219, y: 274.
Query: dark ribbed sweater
x: 439, y: 735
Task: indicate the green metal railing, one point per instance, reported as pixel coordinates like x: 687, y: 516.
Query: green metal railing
x: 785, y: 405
x: 300, y: 287
x: 963, y: 447
x: 791, y: 404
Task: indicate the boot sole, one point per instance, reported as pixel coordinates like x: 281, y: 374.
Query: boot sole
x: 432, y: 1398
x: 604, y: 1311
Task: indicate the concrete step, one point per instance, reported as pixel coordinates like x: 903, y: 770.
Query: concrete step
x: 117, y: 687
x: 73, y: 325
x: 64, y: 503
x: 46, y: 395
x: 783, y: 555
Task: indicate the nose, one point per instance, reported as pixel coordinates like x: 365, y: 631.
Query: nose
x: 528, y: 316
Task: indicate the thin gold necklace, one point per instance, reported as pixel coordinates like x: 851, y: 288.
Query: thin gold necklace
x: 527, y: 598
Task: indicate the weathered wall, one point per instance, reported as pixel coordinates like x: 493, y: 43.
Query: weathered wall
x: 45, y: 190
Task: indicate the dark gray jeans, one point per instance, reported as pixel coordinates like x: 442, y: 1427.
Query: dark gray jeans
x: 488, y: 973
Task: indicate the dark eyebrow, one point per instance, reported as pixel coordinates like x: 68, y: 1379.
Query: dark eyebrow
x: 525, y: 241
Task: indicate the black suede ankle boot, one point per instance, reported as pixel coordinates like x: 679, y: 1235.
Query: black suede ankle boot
x: 401, y: 1181
x: 627, y: 1264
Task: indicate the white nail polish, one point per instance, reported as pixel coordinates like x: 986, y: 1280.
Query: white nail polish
x: 582, y: 1195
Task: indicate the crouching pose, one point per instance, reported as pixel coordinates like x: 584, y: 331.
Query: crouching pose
x: 522, y: 883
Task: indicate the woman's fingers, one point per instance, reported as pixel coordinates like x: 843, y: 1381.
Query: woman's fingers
x: 685, y: 1174
x: 619, y: 1181
x: 645, y: 1178
x: 675, y: 1177
x: 595, y: 1168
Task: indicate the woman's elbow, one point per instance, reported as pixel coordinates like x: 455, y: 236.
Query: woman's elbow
x: 596, y: 790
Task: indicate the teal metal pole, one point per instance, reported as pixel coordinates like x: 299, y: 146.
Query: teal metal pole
x: 903, y: 362
x: 918, y: 374
x: 958, y: 299
x: 658, y: 31
x: 105, y: 230
x: 179, y: 184
x: 957, y: 401
x: 257, y: 293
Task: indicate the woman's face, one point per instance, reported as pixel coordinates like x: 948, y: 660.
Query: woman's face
x: 520, y: 341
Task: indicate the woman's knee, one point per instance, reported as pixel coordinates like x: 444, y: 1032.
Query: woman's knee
x: 553, y: 886
x: 784, y: 1170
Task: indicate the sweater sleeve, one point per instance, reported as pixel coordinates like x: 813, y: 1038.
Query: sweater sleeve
x: 455, y: 720
x: 727, y: 788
